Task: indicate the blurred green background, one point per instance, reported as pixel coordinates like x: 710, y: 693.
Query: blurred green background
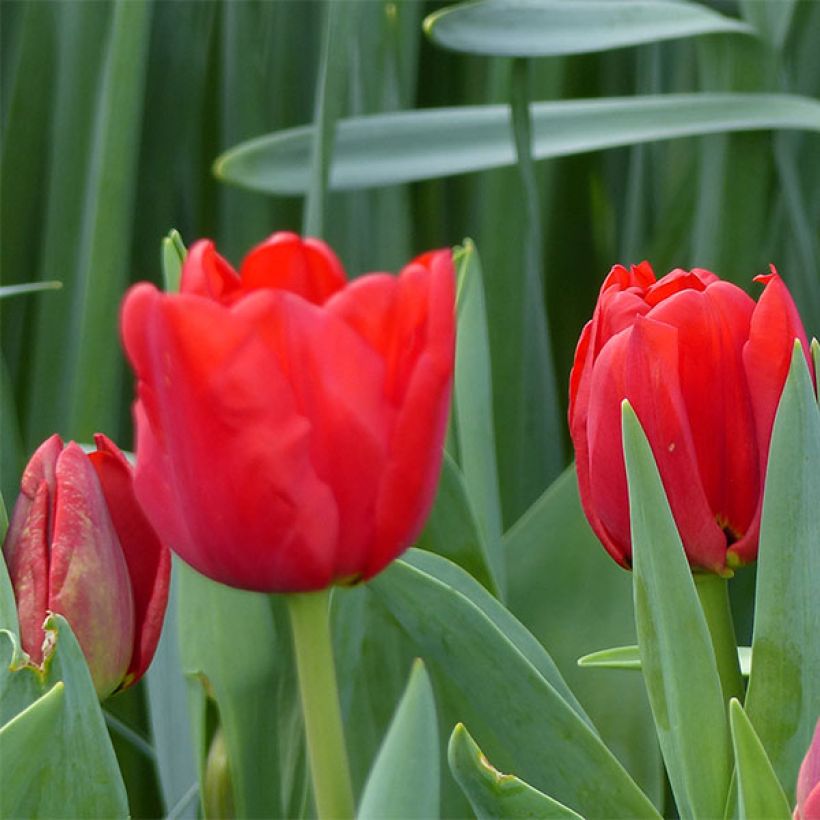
x: 113, y: 114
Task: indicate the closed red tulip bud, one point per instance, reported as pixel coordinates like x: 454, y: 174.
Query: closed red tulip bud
x: 703, y: 366
x: 78, y: 545
x: 289, y: 424
x: 808, y: 782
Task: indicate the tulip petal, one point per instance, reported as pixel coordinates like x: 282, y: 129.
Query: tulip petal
x: 86, y: 555
x: 25, y: 550
x: 338, y: 384
x: 654, y: 389
x: 808, y: 780
x: 285, y: 261
x: 217, y: 403
x: 148, y: 560
x: 206, y: 273
x: 713, y: 325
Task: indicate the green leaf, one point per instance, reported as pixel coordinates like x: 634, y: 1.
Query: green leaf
x: 27, y: 738
x: 404, y: 780
x: 546, y: 28
x: 173, y: 255
x: 628, y: 657
x: 171, y: 732
x: 783, y: 698
x: 521, y: 717
x: 330, y: 93
x: 557, y: 569
x: 492, y: 794
x: 473, y: 410
x: 229, y: 650
x: 815, y: 355
x: 388, y: 149
x: 452, y: 530
x: 77, y: 775
x: 95, y: 364
x: 759, y: 793
x: 677, y: 656
x: 8, y: 603
x: 618, y: 657
x: 29, y: 287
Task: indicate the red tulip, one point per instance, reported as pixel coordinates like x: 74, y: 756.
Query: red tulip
x: 289, y: 424
x: 79, y: 545
x: 808, y: 782
x: 703, y: 366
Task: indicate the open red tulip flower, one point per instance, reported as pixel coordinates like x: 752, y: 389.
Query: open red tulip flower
x: 703, y: 366
x: 79, y: 545
x: 290, y: 424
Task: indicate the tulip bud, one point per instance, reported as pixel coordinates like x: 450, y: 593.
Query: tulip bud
x: 703, y: 366
x: 808, y: 782
x: 79, y: 546
x: 290, y: 425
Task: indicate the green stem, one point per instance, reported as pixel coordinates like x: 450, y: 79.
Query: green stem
x: 320, y: 704
x: 713, y: 592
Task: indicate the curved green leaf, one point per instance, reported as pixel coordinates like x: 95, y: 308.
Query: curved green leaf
x: 546, y: 28
x: 759, y: 793
x: 524, y: 722
x: 77, y: 775
x: 783, y: 698
x: 492, y: 794
x: 26, y: 739
x: 404, y: 781
x: 388, y: 149
x: 677, y: 656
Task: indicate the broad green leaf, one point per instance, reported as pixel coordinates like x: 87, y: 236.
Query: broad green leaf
x: 783, y: 698
x: 572, y: 596
x: 229, y: 650
x: 759, y: 793
x: 629, y: 657
x: 388, y: 149
x: 25, y: 740
x: 492, y: 794
x: 404, y: 780
x: 173, y: 254
x: 29, y: 287
x: 546, y: 28
x: 677, y: 657
x: 449, y: 574
x: 171, y: 731
x: 77, y: 775
x: 452, y: 530
x: 516, y: 713
x: 772, y: 20
x: 473, y: 411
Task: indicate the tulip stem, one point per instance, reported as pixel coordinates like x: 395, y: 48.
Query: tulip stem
x: 713, y: 592
x: 320, y: 704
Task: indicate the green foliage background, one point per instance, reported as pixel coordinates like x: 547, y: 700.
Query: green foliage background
x: 113, y: 114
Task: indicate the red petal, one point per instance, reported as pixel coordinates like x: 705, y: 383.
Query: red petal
x: 148, y: 561
x: 26, y: 552
x: 206, y: 273
x: 285, y: 261
x: 217, y: 403
x: 653, y: 388
x: 88, y: 581
x: 713, y: 325
x: 338, y: 384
